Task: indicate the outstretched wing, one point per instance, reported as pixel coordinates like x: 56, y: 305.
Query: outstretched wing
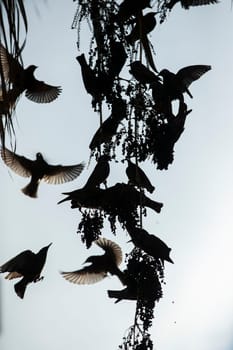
x: 41, y: 92
x: 110, y: 248
x: 189, y: 74
x: 17, y: 264
x: 58, y: 174
x: 84, y: 276
x: 11, y: 68
x: 19, y: 164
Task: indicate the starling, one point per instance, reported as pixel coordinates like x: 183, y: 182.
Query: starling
x: 187, y: 3
x: 23, y: 80
x: 94, y: 85
x: 38, y: 170
x: 137, y: 177
x: 142, y: 74
x: 109, y: 127
x: 100, y: 173
x: 144, y: 25
x: 177, y: 84
x: 100, y: 265
x: 118, y: 58
x: 150, y: 244
x: 27, y: 265
x: 130, y: 8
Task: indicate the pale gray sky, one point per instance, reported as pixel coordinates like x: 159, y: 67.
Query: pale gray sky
x: 196, y: 311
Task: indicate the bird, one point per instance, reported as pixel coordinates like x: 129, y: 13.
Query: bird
x: 121, y: 198
x: 137, y: 177
x: 187, y: 3
x: 27, y: 265
x: 117, y: 59
x: 108, y: 129
x: 130, y: 8
x: 150, y: 244
x: 100, y: 265
x: 23, y: 80
x: 175, y: 84
x: 144, y: 25
x: 100, y: 173
x: 95, y: 85
x: 38, y: 170
x: 142, y: 74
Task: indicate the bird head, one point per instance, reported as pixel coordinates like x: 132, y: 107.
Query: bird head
x: 90, y: 260
x: 31, y: 68
x: 45, y: 249
x: 164, y: 72
x: 39, y: 156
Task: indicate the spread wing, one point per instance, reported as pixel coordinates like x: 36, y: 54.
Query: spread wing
x: 41, y: 92
x: 110, y: 248
x: 19, y: 164
x: 11, y: 68
x: 58, y: 174
x: 17, y: 264
x: 84, y: 276
x: 189, y: 74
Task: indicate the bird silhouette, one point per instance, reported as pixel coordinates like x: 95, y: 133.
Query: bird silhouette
x: 100, y: 265
x: 137, y: 177
x: 27, y: 265
x: 130, y: 8
x: 108, y: 129
x: 150, y: 244
x: 38, y: 170
x: 187, y: 3
x: 118, y: 58
x: 95, y: 85
x: 144, y: 25
x: 177, y: 84
x: 120, y: 197
x: 142, y: 74
x: 100, y: 172
x: 23, y: 80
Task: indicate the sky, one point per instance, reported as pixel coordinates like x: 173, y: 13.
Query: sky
x: 196, y: 311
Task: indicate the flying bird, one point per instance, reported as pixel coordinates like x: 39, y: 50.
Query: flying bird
x: 27, y: 265
x: 100, y: 265
x: 187, y: 3
x: 137, y: 177
x: 100, y: 173
x: 130, y: 8
x: 144, y: 25
x: 38, y: 170
x: 142, y: 74
x: 150, y: 244
x: 23, y: 80
x: 177, y: 84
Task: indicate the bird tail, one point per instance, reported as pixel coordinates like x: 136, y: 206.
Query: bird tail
x: 31, y: 189
x: 156, y: 206
x: 20, y: 288
x: 125, y: 294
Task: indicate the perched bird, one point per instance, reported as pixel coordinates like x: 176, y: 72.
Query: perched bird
x: 100, y: 265
x: 22, y: 80
x: 120, y: 197
x: 187, y: 3
x: 130, y: 8
x: 177, y: 84
x: 27, y: 265
x: 109, y: 127
x: 118, y: 58
x: 142, y: 74
x: 144, y: 25
x: 94, y: 85
x: 38, y: 170
x: 137, y: 177
x: 150, y: 244
x: 100, y: 172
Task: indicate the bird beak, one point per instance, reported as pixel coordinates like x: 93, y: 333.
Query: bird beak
x: 129, y: 241
x: 49, y: 245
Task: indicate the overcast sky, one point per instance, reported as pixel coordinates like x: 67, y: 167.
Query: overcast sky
x: 196, y: 311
